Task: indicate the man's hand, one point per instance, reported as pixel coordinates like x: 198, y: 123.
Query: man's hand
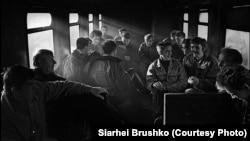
x: 97, y: 91
x: 193, y: 80
x: 159, y: 86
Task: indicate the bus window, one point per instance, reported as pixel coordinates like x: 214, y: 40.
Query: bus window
x: 203, y: 24
x: 185, y: 24
x: 239, y: 40
x: 40, y: 33
x: 74, y: 30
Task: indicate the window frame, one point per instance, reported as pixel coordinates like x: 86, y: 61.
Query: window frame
x: 203, y: 23
x: 185, y: 21
x: 37, y: 30
x: 71, y: 25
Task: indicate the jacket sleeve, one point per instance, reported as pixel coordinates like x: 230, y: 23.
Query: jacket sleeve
x: 140, y: 50
x: 208, y: 83
x: 151, y: 76
x: 56, y: 89
x: 181, y: 83
x: 122, y: 80
x: 142, y: 55
x: 73, y: 69
x: 68, y: 68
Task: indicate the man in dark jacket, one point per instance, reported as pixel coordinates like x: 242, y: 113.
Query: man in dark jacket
x: 165, y: 75
x: 23, y: 102
x: 44, y: 66
x: 147, y: 53
x: 108, y: 73
x: 74, y: 64
x: 68, y: 118
x: 201, y: 67
x: 127, y: 52
x: 147, y: 49
x: 234, y: 79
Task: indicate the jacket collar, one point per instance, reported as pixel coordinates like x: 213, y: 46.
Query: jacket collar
x: 159, y: 65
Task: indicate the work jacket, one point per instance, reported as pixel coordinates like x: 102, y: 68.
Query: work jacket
x: 174, y: 79
x: 31, y: 125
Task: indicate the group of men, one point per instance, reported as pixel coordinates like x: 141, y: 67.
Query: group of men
x: 198, y: 72
x: 166, y: 65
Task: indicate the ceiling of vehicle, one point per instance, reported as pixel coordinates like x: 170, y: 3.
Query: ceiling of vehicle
x: 127, y: 5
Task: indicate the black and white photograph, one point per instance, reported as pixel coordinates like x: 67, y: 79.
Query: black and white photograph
x: 87, y: 70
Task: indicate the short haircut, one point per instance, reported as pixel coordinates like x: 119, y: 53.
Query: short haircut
x: 81, y: 43
x: 232, y: 56
x: 181, y: 34
x: 201, y: 41
x: 162, y: 45
x: 127, y: 35
x: 122, y: 30
x: 173, y: 33
x: 108, y: 46
x: 40, y: 55
x: 148, y: 36
x: 95, y: 33
x: 15, y: 76
x: 233, y: 76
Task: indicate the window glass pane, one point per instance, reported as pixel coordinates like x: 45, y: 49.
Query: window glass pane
x: 74, y: 35
x: 100, y: 16
x: 100, y: 25
x: 90, y: 17
x: 202, y: 31
x: 203, y: 17
x: 185, y: 16
x: 239, y: 40
x: 185, y: 28
x: 73, y: 18
x: 91, y: 27
x: 39, y: 40
x: 35, y: 20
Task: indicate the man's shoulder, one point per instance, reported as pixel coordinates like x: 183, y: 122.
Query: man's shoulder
x: 211, y: 58
x: 154, y: 63
x: 143, y: 44
x: 175, y: 61
x: 74, y: 54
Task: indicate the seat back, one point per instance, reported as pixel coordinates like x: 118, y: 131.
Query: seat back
x: 208, y: 108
